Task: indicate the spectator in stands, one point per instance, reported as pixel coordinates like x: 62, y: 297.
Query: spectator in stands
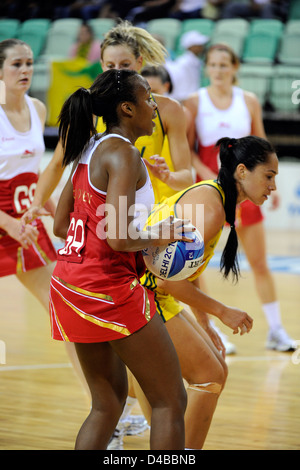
x: 116, y: 9
x: 91, y: 9
x: 186, y: 9
x: 25, y: 9
x: 86, y: 46
x: 62, y: 8
x: 78, y: 9
x: 149, y: 10
x: 267, y: 9
x: 185, y: 71
x: 189, y: 9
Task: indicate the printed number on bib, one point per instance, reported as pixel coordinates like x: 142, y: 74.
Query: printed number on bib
x: 23, y: 197
x: 76, y: 239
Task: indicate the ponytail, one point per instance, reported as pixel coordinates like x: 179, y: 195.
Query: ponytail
x: 76, y: 124
x: 76, y: 119
x: 229, y: 261
x: 249, y: 151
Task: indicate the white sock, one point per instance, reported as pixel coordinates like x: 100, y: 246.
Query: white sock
x: 272, y: 314
x: 130, y: 402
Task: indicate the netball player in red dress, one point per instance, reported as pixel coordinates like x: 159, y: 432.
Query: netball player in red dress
x: 25, y: 252
x: 225, y: 110
x: 28, y: 255
x: 96, y: 299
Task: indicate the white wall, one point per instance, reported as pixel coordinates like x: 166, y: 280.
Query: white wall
x: 287, y: 216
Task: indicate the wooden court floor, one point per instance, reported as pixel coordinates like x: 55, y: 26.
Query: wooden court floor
x: 42, y: 404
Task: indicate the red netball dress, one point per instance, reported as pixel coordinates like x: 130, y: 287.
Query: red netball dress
x: 20, y: 155
x: 95, y: 293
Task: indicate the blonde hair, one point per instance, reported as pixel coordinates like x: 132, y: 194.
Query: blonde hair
x: 140, y: 42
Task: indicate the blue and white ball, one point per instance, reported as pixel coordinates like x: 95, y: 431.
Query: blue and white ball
x: 176, y: 261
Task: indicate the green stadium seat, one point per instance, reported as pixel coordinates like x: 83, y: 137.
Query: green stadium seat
x: 260, y: 48
x: 237, y: 26
x: 34, y: 32
x: 292, y: 27
x: 168, y: 29
x: 35, y: 40
x: 294, y: 10
x: 289, y: 50
x: 39, y: 25
x: 58, y: 45
x: 101, y: 26
x: 66, y: 24
x: 60, y: 37
x: 256, y: 78
x: 40, y: 81
x: 202, y: 25
x: 283, y: 89
x: 236, y: 42
x: 8, y: 28
x: 274, y: 27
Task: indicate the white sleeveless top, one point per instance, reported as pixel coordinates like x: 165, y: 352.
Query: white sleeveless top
x: 212, y: 123
x: 144, y: 197
x: 20, y: 152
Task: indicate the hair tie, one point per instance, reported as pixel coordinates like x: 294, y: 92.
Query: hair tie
x: 118, y: 79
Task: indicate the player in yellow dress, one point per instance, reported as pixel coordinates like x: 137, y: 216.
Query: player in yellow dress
x: 248, y: 169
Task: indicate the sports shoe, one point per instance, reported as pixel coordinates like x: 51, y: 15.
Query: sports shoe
x: 135, y: 424
x: 130, y: 426
x: 116, y: 441
x: 230, y: 348
x: 279, y: 340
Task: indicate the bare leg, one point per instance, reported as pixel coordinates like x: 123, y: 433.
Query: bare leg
x: 256, y: 255
x: 107, y: 377
x: 201, y: 363
x: 150, y: 355
x: 158, y: 373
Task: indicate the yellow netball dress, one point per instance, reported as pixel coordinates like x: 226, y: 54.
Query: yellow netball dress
x: 166, y: 305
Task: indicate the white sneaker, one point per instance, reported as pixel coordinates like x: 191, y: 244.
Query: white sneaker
x: 279, y: 340
x: 135, y: 424
x: 116, y: 441
x: 230, y: 348
x: 130, y: 426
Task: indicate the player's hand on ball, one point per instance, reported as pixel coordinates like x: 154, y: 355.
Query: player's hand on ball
x: 171, y: 229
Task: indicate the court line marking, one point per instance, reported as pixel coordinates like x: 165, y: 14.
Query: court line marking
x: 4, y: 368
x: 34, y: 367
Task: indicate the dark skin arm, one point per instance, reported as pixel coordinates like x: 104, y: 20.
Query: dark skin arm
x: 116, y: 168
x: 64, y: 207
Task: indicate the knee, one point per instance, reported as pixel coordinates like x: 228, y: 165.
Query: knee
x: 259, y: 266
x: 175, y: 401
x: 216, y: 371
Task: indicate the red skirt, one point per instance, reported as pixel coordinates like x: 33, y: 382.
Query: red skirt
x: 247, y: 214
x: 83, y: 316
x: 15, y: 259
